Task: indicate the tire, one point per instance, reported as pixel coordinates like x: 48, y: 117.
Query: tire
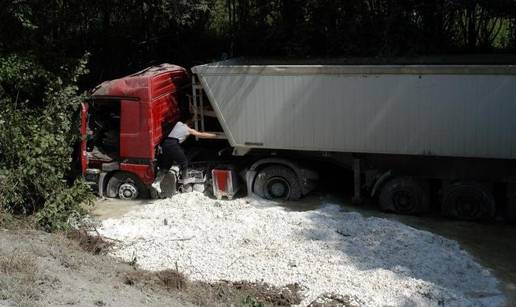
x: 126, y: 186
x: 511, y: 212
x: 405, y: 195
x: 468, y: 201
x: 277, y: 182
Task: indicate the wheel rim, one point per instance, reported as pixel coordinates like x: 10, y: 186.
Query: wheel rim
x: 278, y: 188
x: 469, y: 206
x: 404, y: 201
x: 127, y: 191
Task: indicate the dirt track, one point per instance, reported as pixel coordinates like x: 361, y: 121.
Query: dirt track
x: 40, y: 269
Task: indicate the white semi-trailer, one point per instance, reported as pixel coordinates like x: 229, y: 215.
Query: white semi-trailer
x: 413, y: 135
x: 410, y: 133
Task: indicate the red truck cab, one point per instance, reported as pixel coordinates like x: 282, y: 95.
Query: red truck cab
x: 122, y: 123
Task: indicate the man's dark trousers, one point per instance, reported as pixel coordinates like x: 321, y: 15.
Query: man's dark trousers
x: 172, y: 151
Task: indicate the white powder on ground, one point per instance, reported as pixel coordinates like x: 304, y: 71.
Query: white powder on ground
x: 375, y: 261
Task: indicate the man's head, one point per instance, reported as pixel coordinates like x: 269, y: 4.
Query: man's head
x: 187, y: 119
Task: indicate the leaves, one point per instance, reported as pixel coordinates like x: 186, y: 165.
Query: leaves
x: 36, y: 140
x: 366, y: 27
x: 126, y: 36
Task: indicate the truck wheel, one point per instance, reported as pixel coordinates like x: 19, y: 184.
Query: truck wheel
x: 404, y: 195
x: 126, y: 186
x: 510, y: 208
x: 511, y: 212
x: 277, y: 182
x: 468, y: 201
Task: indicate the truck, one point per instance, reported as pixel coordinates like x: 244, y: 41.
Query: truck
x: 411, y: 135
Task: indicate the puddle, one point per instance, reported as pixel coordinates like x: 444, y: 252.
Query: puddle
x: 114, y: 208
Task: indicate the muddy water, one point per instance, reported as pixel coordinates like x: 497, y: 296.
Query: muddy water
x: 114, y: 208
x: 493, y: 245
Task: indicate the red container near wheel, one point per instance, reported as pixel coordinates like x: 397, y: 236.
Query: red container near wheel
x: 225, y: 183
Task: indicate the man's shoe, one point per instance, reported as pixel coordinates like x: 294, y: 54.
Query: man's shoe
x: 156, y: 185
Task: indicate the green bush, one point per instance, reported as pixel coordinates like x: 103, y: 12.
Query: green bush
x: 37, y: 134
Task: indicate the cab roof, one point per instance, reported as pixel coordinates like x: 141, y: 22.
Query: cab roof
x: 138, y: 86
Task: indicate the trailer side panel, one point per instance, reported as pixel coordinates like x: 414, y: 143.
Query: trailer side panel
x: 455, y: 111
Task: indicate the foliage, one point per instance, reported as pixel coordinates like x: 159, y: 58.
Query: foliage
x: 126, y: 36
x: 368, y: 27
x: 37, y: 134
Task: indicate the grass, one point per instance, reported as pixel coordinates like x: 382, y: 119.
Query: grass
x: 23, y: 263
x: 18, y: 281
x: 13, y: 222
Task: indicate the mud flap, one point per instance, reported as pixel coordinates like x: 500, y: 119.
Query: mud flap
x: 249, y: 181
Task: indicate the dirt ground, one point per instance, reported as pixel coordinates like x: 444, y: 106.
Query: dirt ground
x: 41, y: 269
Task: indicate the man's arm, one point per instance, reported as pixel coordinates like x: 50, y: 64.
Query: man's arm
x: 202, y: 135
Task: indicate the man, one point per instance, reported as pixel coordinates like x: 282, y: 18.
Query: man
x: 173, y: 152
